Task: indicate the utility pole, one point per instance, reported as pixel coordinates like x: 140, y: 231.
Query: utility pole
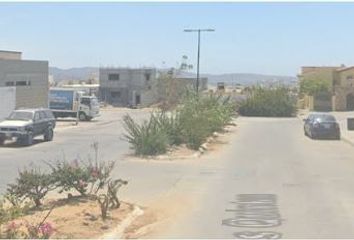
x: 198, y: 56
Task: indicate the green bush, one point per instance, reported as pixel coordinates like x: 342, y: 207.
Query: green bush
x: 71, y: 176
x: 268, y: 102
x: 32, y: 184
x: 200, y: 116
x: 191, y: 123
x: 148, y: 138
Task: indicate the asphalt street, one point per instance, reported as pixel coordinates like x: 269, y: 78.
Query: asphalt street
x: 266, y: 180
x: 270, y: 182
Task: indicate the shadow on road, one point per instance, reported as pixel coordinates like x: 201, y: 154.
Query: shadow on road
x: 14, y: 144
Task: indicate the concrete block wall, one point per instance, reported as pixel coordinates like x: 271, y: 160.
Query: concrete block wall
x: 34, y: 73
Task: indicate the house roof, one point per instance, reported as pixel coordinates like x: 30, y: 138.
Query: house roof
x: 6, y: 51
x: 345, y: 69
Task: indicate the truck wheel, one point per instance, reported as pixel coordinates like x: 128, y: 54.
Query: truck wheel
x: 48, y: 135
x: 82, y: 116
x: 2, y: 141
x: 28, y: 139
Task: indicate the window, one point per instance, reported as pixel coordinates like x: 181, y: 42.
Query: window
x: 8, y: 84
x: 115, y: 94
x: 85, y: 101
x: 36, y: 117
x: 42, y: 115
x: 23, y: 83
x: 147, y: 76
x: 113, y: 77
x: 49, y: 114
x: 350, y: 77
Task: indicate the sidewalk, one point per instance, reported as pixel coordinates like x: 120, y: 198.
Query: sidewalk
x: 346, y: 136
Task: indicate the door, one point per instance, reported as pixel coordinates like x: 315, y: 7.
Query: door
x: 36, y: 124
x: 137, y: 99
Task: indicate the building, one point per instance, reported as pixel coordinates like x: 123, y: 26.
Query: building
x: 28, y: 78
x: 141, y: 86
x: 128, y: 86
x: 340, y: 80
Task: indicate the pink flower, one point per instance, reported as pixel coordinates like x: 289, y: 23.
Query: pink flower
x: 12, y: 226
x: 46, y: 229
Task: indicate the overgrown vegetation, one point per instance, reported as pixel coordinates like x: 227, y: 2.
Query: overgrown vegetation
x: 32, y: 184
x: 314, y: 86
x: 90, y: 178
x: 196, y: 118
x: 269, y: 102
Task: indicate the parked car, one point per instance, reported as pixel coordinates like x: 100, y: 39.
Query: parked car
x: 26, y: 124
x: 318, y: 125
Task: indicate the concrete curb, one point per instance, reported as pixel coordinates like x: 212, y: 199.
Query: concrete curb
x: 118, y: 232
x: 347, y: 140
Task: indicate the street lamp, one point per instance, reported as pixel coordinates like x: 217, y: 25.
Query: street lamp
x: 198, y: 30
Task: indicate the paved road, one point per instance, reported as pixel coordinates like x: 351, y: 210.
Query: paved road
x: 270, y: 181
x: 70, y: 141
x: 147, y: 181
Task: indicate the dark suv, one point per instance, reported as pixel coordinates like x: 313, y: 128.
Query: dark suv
x: 24, y: 125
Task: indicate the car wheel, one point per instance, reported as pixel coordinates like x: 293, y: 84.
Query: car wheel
x: 48, y: 135
x: 313, y: 136
x: 338, y: 136
x: 82, y: 116
x: 28, y: 139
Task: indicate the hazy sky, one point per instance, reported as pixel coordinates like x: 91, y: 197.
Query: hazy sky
x: 270, y: 38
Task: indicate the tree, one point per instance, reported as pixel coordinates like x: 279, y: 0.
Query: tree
x: 313, y: 86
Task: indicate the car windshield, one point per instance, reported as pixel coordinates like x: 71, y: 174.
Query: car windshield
x: 325, y: 118
x: 21, y: 116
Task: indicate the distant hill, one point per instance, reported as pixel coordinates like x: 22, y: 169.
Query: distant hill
x: 84, y: 73
x: 249, y: 79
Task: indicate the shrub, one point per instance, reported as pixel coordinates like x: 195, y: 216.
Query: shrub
x: 192, y: 122
x: 148, y: 138
x: 71, y: 175
x: 26, y: 230
x: 200, y: 116
x: 85, y: 177
x: 268, y: 102
x: 100, y: 171
x: 8, y: 213
x: 32, y: 184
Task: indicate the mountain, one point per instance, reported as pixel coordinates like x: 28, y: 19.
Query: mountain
x: 84, y: 73
x: 248, y: 79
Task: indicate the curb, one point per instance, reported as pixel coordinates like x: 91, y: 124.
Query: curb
x: 118, y: 232
x: 346, y: 140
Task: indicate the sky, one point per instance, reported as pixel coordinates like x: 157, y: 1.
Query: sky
x: 266, y: 38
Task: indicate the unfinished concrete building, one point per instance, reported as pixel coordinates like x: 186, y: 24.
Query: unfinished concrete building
x: 29, y: 78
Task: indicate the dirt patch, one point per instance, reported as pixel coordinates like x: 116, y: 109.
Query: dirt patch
x: 158, y: 216
x: 78, y: 218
